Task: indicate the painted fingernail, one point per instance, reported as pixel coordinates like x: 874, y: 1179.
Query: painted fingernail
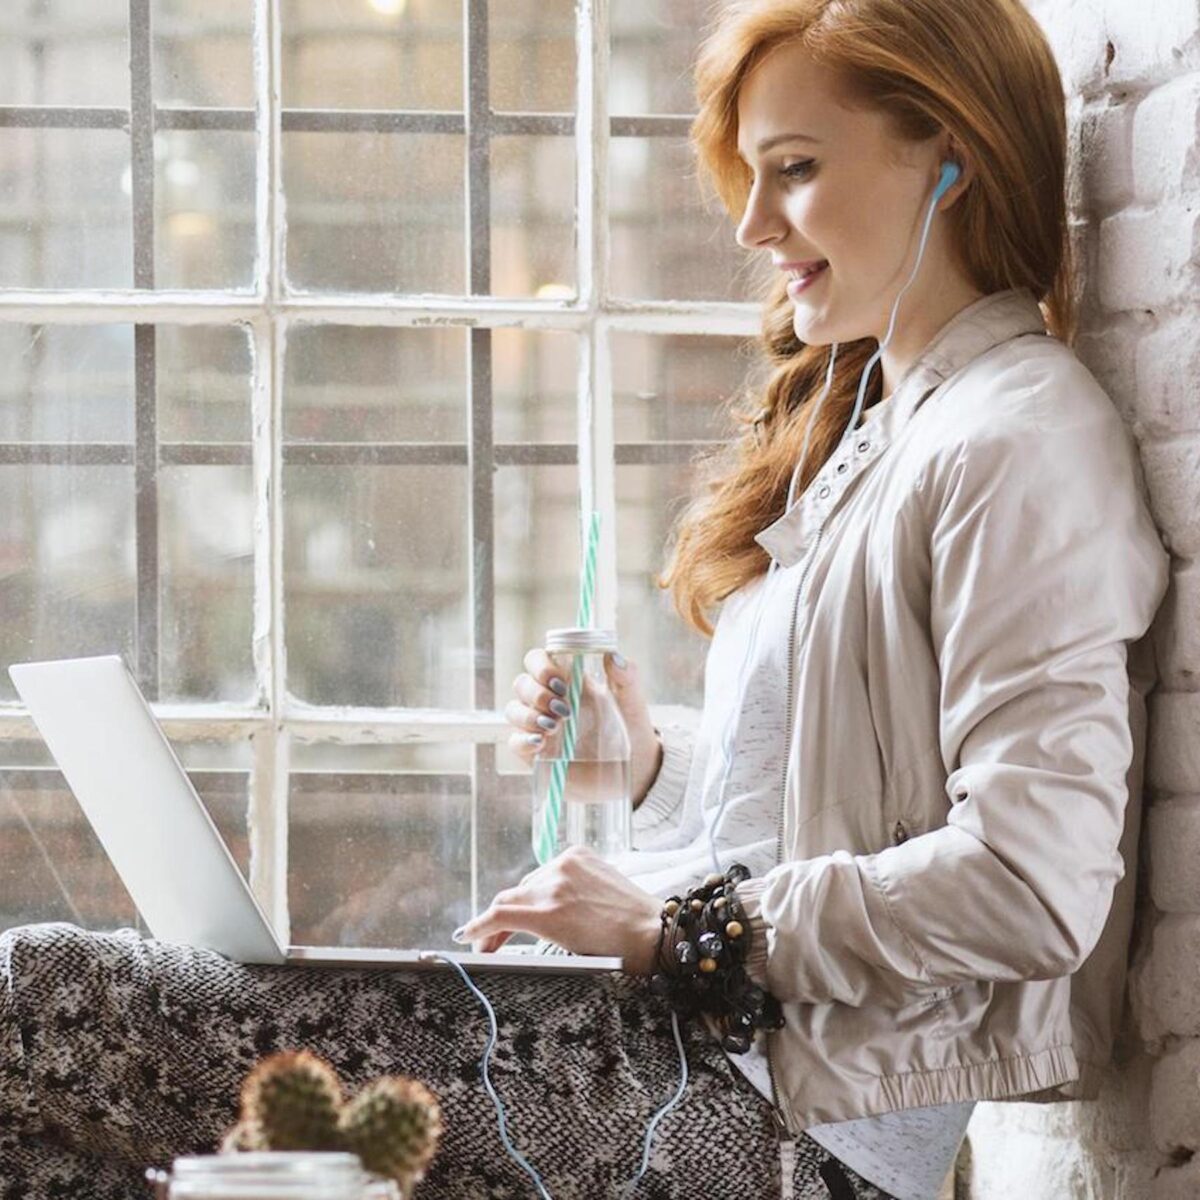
x: 561, y: 707
x: 457, y: 937
x: 619, y: 662
x: 534, y: 739
x: 548, y: 723
x: 558, y: 685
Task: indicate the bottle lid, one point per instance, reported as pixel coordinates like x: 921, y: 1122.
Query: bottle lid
x: 585, y: 640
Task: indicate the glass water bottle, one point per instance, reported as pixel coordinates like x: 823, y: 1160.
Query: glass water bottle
x: 584, y: 763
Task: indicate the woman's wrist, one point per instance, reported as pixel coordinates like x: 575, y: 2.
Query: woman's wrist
x: 640, y: 788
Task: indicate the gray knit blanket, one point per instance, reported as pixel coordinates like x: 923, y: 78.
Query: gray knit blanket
x: 118, y: 1054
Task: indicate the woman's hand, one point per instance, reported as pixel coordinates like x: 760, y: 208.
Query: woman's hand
x: 579, y: 901
x: 539, y: 705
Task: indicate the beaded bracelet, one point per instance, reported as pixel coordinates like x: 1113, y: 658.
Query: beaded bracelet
x: 701, y: 958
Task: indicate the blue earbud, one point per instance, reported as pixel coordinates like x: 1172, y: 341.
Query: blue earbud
x: 950, y: 172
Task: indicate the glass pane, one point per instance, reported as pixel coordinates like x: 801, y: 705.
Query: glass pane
x: 345, y: 384
x: 64, y: 208
x: 668, y: 243
x: 532, y: 55
x: 67, y: 584
x: 505, y: 813
x: 52, y: 867
x: 676, y: 388
x: 654, y: 44
x: 376, y: 212
x: 203, y: 54
x: 203, y: 383
x: 533, y: 206
x: 204, y: 210
x: 378, y: 860
x: 534, y: 377
x: 206, y: 593
x: 372, y: 54
x: 669, y: 654
x: 375, y: 582
x: 537, y: 562
x: 337, y: 757
x: 64, y: 52
x: 66, y: 383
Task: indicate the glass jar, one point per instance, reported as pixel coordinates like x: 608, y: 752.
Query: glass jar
x: 271, y: 1175
x: 581, y: 771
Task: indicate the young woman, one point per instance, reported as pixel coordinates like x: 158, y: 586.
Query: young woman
x: 919, y: 729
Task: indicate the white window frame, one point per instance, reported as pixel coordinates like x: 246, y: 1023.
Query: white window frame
x: 268, y: 310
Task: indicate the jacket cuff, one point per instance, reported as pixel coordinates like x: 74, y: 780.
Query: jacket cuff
x: 663, y: 800
x: 749, y: 893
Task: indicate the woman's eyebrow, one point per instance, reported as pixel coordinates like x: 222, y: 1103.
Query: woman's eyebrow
x: 777, y: 139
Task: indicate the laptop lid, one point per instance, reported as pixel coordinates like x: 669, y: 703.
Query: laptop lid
x: 143, y: 808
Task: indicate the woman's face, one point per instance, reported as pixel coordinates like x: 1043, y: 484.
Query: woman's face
x: 854, y: 197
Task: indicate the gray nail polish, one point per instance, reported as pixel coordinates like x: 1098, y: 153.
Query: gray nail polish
x: 558, y: 685
x: 457, y: 936
x: 560, y: 707
x: 548, y: 723
x: 618, y: 661
x: 534, y: 739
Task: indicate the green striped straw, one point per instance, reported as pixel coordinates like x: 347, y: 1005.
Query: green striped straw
x: 547, y: 838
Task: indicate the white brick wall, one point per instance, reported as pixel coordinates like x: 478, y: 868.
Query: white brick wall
x: 1131, y: 69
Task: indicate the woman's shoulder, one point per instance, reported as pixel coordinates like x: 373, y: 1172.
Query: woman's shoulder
x: 1031, y: 387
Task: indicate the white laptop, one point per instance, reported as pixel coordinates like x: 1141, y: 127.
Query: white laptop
x: 161, y: 840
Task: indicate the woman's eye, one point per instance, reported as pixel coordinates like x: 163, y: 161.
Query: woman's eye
x: 797, y: 170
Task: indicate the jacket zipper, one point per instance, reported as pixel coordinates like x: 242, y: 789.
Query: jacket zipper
x: 781, y: 1117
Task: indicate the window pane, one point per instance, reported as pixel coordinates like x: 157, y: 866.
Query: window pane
x: 52, y: 868
x: 203, y: 54
x: 204, y: 210
x: 66, y: 383
x: 375, y: 212
x: 372, y: 54
x: 206, y: 594
x: 537, y: 562
x: 670, y: 656
x: 64, y: 208
x: 346, y: 384
x: 203, y: 383
x: 64, y: 52
x: 667, y: 243
x: 532, y: 55
x: 654, y: 43
x: 534, y: 377
x: 505, y: 816
x: 677, y: 388
x: 533, y: 207
x: 67, y: 588
x: 375, y: 583
x: 402, y: 849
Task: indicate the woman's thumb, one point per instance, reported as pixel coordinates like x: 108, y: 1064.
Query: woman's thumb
x: 625, y: 682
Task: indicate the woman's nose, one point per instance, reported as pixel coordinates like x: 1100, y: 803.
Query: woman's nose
x: 761, y: 224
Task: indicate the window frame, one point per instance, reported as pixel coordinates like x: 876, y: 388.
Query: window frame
x: 268, y: 310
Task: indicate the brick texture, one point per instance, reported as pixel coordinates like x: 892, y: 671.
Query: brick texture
x: 1131, y: 73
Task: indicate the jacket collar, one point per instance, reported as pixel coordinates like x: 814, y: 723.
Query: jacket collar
x: 971, y: 332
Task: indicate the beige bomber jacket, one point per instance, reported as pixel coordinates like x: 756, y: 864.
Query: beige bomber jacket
x: 950, y: 912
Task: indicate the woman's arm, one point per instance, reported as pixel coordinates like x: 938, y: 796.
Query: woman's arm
x: 1044, y: 565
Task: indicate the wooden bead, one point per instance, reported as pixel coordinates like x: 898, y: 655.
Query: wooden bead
x: 720, y: 902
x: 671, y: 907
x: 714, y: 880
x: 708, y: 965
x: 734, y: 929
x: 697, y: 905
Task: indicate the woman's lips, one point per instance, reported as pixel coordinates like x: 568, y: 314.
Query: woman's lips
x: 796, y: 286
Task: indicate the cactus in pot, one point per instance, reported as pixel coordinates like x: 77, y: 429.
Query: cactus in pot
x: 294, y: 1100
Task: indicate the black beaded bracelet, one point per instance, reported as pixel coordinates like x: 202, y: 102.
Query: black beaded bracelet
x: 701, y: 959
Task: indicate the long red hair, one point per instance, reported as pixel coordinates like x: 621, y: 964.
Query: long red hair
x: 980, y: 69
